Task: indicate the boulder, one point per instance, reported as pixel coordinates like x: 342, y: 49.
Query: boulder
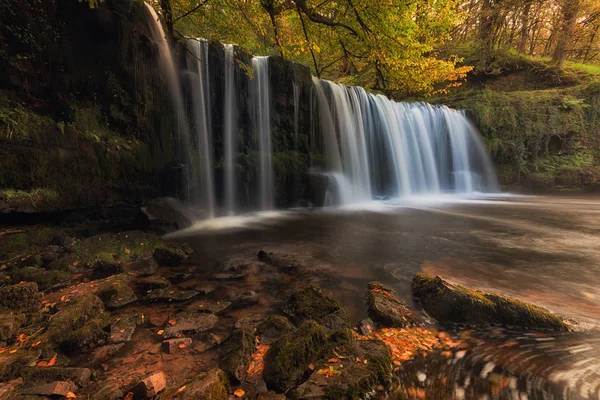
x: 366, y: 364
x: 150, y: 386
x: 245, y: 299
x: 206, y: 341
x: 9, y: 326
x: 153, y: 282
x: 103, y: 269
x: 172, y: 345
x: 22, y: 297
x: 169, y: 256
x: 59, y: 388
x: 144, y: 266
x: 236, y: 353
x: 102, y: 354
x: 116, y: 294
x: 386, y: 309
x: 179, y: 277
x: 168, y: 214
x: 80, y: 376
x: 311, y: 303
x: 290, y: 356
x: 450, y: 303
x: 273, y: 328
x: 188, y: 322
x: 78, y: 326
x: 211, y: 385
x: 45, y: 279
x: 366, y: 327
x: 123, y: 327
x: 250, y: 321
x: 284, y: 262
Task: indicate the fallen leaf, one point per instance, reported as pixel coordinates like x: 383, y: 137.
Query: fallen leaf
x: 75, y: 263
x: 36, y: 343
x: 161, y: 332
x: 129, y: 396
x: 122, y: 330
x: 334, y: 360
x: 239, y: 393
x: 181, y: 389
x: 13, y: 351
x: 182, y: 345
x: 311, y: 367
x: 70, y: 395
x: 127, y: 251
x: 172, y: 322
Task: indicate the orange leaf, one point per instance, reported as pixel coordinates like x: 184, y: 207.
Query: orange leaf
x: 36, y: 343
x: 52, y: 361
x: 239, y: 393
x: 160, y: 332
x: 70, y: 395
x: 172, y: 322
x: 334, y: 360
x: 13, y: 351
x: 182, y: 345
x: 122, y: 330
x: 75, y: 263
x: 127, y: 251
x: 311, y: 367
x: 129, y: 396
x: 181, y: 389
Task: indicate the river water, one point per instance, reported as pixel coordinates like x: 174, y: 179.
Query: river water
x: 545, y: 250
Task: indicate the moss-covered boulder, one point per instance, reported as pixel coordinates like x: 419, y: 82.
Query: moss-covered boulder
x: 45, y: 279
x: 9, y: 326
x: 211, y: 385
x: 289, y: 358
x: 272, y: 328
x: 312, y: 303
x: 236, y: 353
x: 79, y: 326
x: 169, y: 256
x: 22, y: 297
x: 365, y: 365
x: 450, y: 303
x: 387, y: 309
x: 116, y: 293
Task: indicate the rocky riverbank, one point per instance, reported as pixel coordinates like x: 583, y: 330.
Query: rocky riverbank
x: 129, y: 315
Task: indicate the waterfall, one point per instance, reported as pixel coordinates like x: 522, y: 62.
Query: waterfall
x: 177, y: 101
x: 407, y: 148
x: 296, y: 94
x: 230, y: 129
x: 262, y: 128
x: 197, y: 66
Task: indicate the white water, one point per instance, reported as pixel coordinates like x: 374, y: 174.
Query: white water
x: 262, y: 128
x: 408, y: 149
x: 173, y: 82
x: 197, y: 59
x: 230, y: 129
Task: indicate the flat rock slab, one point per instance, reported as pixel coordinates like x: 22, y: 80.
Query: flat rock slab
x: 171, y: 295
x: 103, y: 353
x: 212, y: 306
x: 141, y: 267
x: 245, y: 299
x: 386, y: 309
x: 190, y: 322
x: 116, y: 294
x: 59, y: 388
x: 229, y: 276
x: 123, y: 327
x: 212, y: 385
x: 80, y: 376
x: 150, y: 386
x: 250, y: 321
x: 173, y: 345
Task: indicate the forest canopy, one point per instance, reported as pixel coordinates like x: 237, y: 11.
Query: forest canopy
x: 397, y: 47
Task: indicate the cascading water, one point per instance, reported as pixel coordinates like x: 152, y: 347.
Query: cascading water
x: 262, y: 127
x: 177, y: 101
x: 230, y: 128
x: 197, y: 66
x: 407, y: 148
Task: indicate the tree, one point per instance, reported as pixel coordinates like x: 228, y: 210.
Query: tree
x: 570, y: 10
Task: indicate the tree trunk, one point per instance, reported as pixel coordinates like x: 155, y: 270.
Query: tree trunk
x: 524, y: 27
x: 570, y: 9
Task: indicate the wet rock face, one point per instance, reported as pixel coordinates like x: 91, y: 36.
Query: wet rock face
x: 311, y: 303
x: 189, y: 322
x: 366, y: 364
x: 387, y: 309
x: 21, y: 297
x: 169, y: 256
x: 236, y: 353
x: 450, y: 303
x: 291, y: 355
x: 212, y: 385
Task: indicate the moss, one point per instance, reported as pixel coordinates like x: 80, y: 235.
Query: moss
x: 236, y: 353
x: 45, y: 279
x: 273, y: 327
x: 457, y: 304
x: 79, y: 325
x: 29, y: 242
x: 20, y: 297
x: 311, y: 303
x: 289, y: 357
x: 116, y: 293
x: 10, y: 324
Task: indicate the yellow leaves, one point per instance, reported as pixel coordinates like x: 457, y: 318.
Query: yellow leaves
x: 257, y: 363
x: 329, y: 372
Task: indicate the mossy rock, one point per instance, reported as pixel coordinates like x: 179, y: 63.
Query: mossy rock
x: 349, y: 379
x: 23, y: 297
x: 79, y: 326
x: 45, y: 279
x: 169, y: 256
x: 116, y: 293
x: 236, y: 353
x: 387, y: 309
x: 9, y: 326
x: 13, y: 365
x: 272, y: 328
x: 211, y: 385
x: 450, y: 303
x: 312, y: 303
x: 120, y: 248
x: 29, y: 242
x: 289, y: 357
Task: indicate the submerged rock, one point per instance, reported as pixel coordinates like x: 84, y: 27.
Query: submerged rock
x: 250, y: 321
x: 245, y: 299
x: 311, y: 303
x: 236, y: 353
x: 452, y: 303
x: 154, y: 282
x: 173, y: 345
x: 171, y: 294
x: 211, y: 385
x: 229, y: 276
x: 169, y: 256
x: 189, y: 322
x: 387, y: 309
x: 366, y: 365
x: 290, y: 357
x: 123, y: 327
x: 212, y: 306
x: 104, y: 353
x: 285, y: 262
x: 22, y: 297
